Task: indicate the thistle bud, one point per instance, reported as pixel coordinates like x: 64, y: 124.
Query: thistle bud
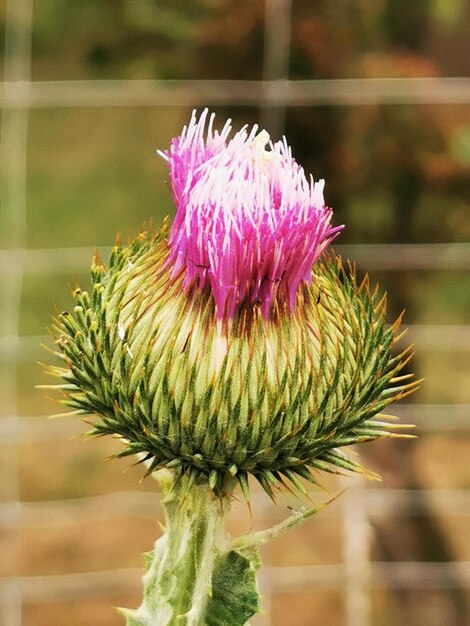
x: 232, y: 343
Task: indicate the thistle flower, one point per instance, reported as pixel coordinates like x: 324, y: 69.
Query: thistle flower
x: 224, y: 346
x: 231, y: 344
x: 248, y: 222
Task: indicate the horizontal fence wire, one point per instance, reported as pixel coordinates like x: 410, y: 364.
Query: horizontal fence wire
x: 271, y: 93
x: 432, y: 337
x: 428, y: 418
x: 378, y: 256
x: 377, y: 502
x: 404, y: 575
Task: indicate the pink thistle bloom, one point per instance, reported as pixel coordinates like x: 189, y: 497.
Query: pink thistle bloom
x: 248, y: 222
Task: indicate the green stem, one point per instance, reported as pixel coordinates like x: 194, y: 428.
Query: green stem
x: 195, y: 575
x: 178, y: 581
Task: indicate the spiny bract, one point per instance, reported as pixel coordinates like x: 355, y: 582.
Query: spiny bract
x: 221, y: 399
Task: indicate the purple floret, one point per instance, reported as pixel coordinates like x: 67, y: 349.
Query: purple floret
x: 248, y: 222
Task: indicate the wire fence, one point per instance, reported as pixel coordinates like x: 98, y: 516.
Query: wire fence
x: 357, y: 575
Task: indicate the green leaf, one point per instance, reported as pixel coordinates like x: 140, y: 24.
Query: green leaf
x: 235, y: 597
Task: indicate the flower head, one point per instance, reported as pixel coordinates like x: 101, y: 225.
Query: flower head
x: 248, y: 222
x: 305, y: 365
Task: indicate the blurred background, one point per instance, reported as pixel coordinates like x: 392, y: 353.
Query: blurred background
x: 373, y: 96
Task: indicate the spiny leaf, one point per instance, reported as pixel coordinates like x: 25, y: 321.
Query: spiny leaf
x: 235, y: 597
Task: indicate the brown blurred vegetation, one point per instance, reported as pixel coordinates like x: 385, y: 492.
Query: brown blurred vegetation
x: 395, y: 173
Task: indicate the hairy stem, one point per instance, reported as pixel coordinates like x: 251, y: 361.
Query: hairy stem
x: 178, y: 581
x: 195, y: 576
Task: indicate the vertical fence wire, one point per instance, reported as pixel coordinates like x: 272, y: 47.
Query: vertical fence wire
x: 13, y: 150
x: 277, y: 28
x: 356, y: 553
